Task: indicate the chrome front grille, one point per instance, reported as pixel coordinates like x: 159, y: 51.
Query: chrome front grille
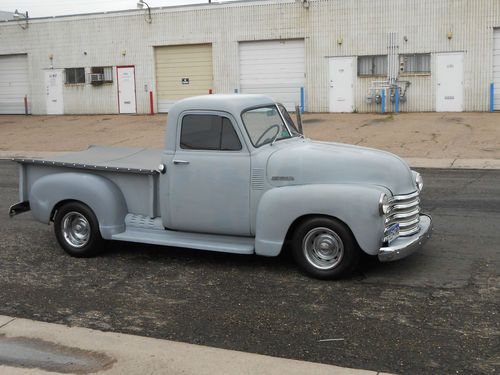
x: 405, y: 211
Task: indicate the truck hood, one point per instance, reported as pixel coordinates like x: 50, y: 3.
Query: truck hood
x: 310, y: 162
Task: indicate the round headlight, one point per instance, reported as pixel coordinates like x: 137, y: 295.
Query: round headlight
x: 419, y: 181
x: 383, y: 204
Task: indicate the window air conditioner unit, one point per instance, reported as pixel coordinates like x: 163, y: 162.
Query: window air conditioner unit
x: 96, y: 78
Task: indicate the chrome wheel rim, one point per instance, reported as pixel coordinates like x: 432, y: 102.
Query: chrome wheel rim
x: 76, y: 229
x: 323, y: 248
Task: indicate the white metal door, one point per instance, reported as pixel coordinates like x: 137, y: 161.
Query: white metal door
x: 341, y: 84
x: 54, y: 91
x: 14, y: 83
x: 496, y: 69
x: 450, y: 82
x: 126, y: 89
x: 275, y: 68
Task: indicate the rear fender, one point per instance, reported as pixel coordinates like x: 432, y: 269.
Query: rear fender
x: 354, y: 205
x: 100, y: 194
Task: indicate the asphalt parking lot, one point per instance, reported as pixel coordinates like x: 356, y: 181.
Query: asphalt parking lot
x: 435, y: 312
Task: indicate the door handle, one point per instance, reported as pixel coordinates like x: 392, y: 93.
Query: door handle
x: 181, y: 162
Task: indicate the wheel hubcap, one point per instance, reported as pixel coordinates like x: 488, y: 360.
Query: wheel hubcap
x: 76, y: 229
x: 323, y: 248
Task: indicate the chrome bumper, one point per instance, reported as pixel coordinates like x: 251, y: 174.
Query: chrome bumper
x: 404, y: 246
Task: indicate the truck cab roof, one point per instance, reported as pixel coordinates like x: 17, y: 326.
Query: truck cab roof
x: 232, y: 103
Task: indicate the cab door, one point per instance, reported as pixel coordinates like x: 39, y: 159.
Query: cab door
x: 209, y: 177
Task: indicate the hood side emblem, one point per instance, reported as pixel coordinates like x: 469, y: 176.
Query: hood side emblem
x: 283, y: 178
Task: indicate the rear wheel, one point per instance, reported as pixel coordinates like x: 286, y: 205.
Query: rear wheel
x: 325, y: 248
x: 77, y: 230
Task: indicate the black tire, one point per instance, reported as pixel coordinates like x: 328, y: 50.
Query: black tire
x: 77, y: 230
x: 325, y: 248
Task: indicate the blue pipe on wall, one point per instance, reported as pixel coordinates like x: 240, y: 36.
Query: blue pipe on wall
x: 302, y: 100
x: 382, y: 101
x: 492, y: 97
x: 396, y: 96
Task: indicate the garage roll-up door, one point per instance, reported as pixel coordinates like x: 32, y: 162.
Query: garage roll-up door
x: 273, y: 67
x: 182, y: 71
x: 14, y: 83
x: 496, y: 68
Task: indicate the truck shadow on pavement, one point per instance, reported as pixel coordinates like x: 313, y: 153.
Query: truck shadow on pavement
x: 282, y: 264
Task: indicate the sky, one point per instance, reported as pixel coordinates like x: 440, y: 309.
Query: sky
x: 44, y: 8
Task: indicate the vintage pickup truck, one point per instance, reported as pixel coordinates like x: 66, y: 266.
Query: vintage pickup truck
x: 236, y: 176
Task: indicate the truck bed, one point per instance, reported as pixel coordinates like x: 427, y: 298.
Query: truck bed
x: 133, y: 170
x: 121, y: 159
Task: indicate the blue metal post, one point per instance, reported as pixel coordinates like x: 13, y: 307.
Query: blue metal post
x: 492, y: 97
x: 382, y: 102
x: 396, y: 96
x: 302, y: 100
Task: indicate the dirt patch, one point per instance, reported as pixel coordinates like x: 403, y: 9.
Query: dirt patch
x: 457, y: 120
x: 382, y: 120
x: 312, y: 121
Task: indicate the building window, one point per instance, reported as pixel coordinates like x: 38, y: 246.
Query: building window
x: 372, y: 65
x: 208, y: 132
x: 415, y: 63
x: 75, y: 75
x: 101, y: 74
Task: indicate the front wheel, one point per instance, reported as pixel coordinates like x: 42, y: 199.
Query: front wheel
x: 325, y: 248
x: 77, y: 230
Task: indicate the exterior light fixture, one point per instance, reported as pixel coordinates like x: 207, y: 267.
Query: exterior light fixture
x: 20, y: 17
x: 305, y: 4
x: 140, y: 5
x: 449, y: 35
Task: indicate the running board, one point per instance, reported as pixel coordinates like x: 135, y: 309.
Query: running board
x: 142, y: 229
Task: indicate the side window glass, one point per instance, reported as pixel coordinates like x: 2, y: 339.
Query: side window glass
x: 208, y: 132
x: 229, y: 138
x: 200, y: 132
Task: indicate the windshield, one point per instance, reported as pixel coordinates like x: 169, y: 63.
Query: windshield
x: 264, y: 125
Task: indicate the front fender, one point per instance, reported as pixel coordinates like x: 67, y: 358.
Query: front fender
x: 355, y: 205
x: 97, y: 192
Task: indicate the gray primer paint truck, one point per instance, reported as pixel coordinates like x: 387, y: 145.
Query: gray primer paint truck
x: 236, y: 176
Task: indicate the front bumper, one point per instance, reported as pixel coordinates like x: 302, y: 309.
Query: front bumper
x: 404, y: 246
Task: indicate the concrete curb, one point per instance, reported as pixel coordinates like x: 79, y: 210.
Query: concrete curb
x: 452, y: 163
x: 118, y: 353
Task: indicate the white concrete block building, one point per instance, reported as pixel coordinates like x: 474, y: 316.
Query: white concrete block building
x: 326, y: 55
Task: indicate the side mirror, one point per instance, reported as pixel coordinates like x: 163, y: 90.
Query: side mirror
x: 299, y: 119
